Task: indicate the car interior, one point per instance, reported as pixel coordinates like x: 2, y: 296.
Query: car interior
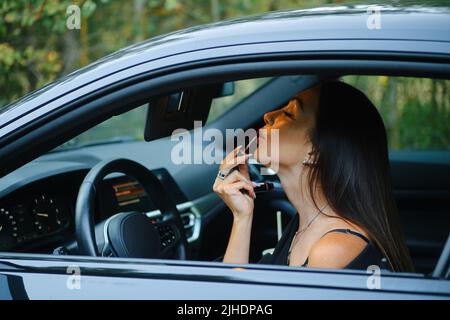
x: 38, y: 201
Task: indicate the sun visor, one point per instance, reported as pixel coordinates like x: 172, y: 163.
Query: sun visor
x: 179, y: 110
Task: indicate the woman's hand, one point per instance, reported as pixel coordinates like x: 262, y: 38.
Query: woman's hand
x: 240, y: 204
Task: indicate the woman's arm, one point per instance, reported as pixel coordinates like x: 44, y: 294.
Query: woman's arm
x: 335, y: 251
x: 238, y: 248
x: 241, y: 205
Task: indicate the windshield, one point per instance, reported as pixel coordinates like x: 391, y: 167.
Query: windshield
x: 129, y: 126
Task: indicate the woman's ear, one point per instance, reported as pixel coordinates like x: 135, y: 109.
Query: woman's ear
x: 309, y: 159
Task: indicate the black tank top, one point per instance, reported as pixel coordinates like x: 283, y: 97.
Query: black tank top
x: 370, y: 255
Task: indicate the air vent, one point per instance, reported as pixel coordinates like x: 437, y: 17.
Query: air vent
x: 188, y: 219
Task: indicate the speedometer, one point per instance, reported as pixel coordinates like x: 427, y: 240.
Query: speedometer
x: 48, y: 215
x: 8, y: 230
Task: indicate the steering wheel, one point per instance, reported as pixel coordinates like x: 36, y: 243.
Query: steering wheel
x: 129, y: 234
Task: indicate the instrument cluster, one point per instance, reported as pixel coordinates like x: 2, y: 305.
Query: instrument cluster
x: 39, y: 216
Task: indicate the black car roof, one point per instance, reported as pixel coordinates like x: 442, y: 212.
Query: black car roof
x: 415, y: 23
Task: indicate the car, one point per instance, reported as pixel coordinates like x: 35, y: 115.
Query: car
x: 74, y: 177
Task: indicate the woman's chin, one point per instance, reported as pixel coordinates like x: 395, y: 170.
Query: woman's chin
x: 262, y: 158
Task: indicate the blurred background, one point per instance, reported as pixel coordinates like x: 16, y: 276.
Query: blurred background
x: 36, y: 48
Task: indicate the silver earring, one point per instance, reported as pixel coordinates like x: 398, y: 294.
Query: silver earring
x: 308, y: 161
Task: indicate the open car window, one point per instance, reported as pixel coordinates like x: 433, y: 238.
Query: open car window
x: 242, y: 89
x: 415, y: 111
x: 126, y: 127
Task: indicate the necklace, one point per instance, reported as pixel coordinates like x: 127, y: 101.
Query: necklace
x: 300, y: 232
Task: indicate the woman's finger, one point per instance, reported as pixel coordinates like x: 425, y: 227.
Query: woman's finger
x: 232, y: 177
x: 235, y: 176
x: 230, y: 156
x: 231, y: 163
x: 235, y: 187
x: 243, y: 169
x: 233, y: 153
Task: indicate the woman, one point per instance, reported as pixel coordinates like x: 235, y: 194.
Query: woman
x: 333, y: 166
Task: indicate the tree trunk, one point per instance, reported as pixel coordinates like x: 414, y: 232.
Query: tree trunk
x: 215, y: 10
x: 71, y: 51
x: 84, y: 54
x: 434, y: 95
x: 393, y: 116
x: 138, y: 20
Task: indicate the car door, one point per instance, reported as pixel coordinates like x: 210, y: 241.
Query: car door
x: 49, y: 277
x: 62, y: 125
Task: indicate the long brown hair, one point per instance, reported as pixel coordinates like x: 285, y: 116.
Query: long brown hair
x: 352, y: 167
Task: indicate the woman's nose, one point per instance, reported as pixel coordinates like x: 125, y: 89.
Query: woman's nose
x: 268, y: 118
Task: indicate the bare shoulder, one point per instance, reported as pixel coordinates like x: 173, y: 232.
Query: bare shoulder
x: 335, y: 250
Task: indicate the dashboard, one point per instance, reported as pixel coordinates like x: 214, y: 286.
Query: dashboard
x: 40, y: 215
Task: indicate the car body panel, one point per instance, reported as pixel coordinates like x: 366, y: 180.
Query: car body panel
x: 110, y: 278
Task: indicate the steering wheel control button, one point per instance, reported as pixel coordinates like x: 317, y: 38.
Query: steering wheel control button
x: 167, y: 235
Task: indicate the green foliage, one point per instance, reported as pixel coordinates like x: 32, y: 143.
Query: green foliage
x: 36, y: 47
x: 31, y: 43
x: 422, y: 128
x: 27, y: 59
x: 416, y: 111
